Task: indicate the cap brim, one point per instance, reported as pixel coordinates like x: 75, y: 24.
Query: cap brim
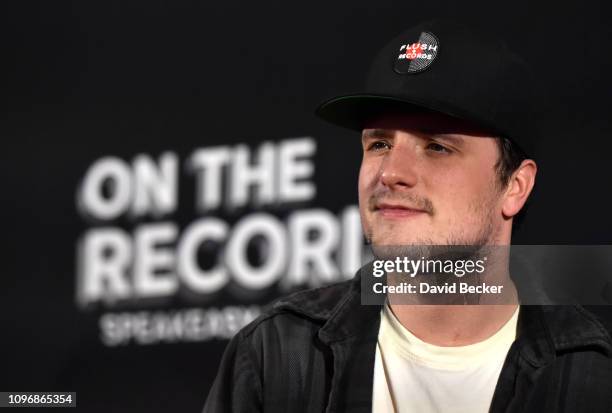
x: 353, y: 111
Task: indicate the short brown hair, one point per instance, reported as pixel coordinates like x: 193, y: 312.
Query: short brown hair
x: 510, y: 158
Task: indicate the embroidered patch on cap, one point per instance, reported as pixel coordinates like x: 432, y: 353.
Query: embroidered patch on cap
x: 414, y: 57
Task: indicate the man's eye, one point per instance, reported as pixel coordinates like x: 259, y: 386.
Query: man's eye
x: 436, y: 147
x: 378, y: 145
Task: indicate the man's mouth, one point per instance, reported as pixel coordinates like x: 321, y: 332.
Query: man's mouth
x: 391, y: 210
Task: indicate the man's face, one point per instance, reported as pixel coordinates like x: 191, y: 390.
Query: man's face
x: 428, y: 179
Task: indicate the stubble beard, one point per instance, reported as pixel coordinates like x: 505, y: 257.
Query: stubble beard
x: 483, y: 236
x: 482, y: 217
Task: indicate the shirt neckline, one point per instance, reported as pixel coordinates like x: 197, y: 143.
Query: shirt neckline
x: 410, y: 347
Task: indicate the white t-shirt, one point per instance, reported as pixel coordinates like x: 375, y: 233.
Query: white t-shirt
x: 411, y: 375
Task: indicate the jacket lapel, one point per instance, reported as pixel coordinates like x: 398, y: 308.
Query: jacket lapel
x: 352, y: 333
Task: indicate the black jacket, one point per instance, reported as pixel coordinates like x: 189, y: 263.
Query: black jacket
x: 314, y: 352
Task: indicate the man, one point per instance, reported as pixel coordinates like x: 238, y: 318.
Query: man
x: 447, y: 161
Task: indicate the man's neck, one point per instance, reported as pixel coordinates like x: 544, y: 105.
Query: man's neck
x: 453, y: 325
x: 461, y: 325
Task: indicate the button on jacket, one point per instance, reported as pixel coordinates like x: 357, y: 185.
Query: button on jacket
x: 314, y: 351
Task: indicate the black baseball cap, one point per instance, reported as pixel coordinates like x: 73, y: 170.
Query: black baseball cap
x: 449, y: 68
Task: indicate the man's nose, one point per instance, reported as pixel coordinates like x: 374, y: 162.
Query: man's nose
x: 399, y: 168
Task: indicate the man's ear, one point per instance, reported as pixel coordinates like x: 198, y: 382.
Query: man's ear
x: 519, y: 187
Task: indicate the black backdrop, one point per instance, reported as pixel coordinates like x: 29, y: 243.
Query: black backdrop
x: 85, y: 80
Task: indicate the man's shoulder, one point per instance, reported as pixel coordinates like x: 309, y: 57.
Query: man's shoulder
x: 564, y: 331
x: 602, y: 314
x: 302, y: 309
